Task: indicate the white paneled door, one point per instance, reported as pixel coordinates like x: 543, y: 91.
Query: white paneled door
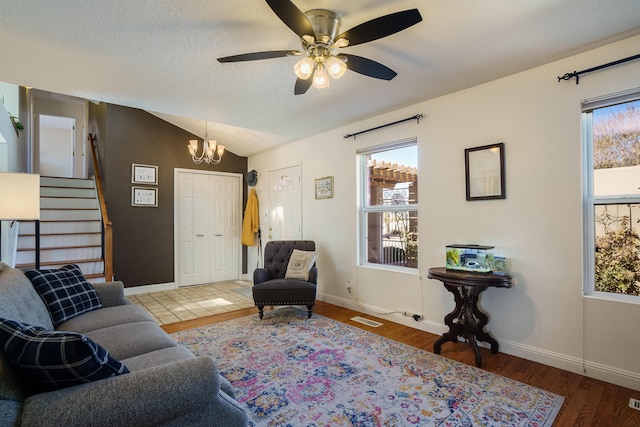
x: 208, y: 224
x: 285, y: 200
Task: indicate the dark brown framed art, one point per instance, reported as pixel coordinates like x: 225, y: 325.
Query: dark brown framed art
x: 484, y: 172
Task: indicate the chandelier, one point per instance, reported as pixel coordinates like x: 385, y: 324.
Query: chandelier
x: 209, y: 150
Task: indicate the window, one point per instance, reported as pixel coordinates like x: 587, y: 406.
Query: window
x: 388, y: 231
x: 612, y: 195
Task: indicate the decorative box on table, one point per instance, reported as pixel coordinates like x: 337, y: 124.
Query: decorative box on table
x: 470, y: 258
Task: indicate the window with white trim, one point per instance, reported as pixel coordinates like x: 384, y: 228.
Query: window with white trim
x: 388, y: 214
x: 611, y: 132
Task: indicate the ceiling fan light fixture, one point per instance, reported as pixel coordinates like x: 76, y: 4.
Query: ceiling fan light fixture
x: 304, y: 68
x: 320, y: 77
x: 341, y: 43
x: 336, y: 67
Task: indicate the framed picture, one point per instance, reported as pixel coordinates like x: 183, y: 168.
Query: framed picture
x: 144, y: 196
x: 324, y: 187
x: 144, y: 174
x: 484, y: 172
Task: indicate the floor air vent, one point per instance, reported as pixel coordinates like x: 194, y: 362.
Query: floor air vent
x: 634, y: 403
x: 367, y: 322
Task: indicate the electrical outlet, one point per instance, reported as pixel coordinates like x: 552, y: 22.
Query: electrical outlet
x: 416, y: 317
x: 348, y: 286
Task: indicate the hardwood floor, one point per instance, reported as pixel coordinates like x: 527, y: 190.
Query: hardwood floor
x: 588, y: 402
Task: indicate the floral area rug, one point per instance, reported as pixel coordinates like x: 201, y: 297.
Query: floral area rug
x: 288, y: 370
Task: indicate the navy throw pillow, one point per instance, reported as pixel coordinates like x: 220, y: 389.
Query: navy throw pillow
x: 65, y: 292
x: 53, y: 359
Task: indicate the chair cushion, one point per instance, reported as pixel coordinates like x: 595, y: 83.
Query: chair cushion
x: 52, y: 359
x: 65, y: 292
x: 300, y: 263
x: 284, y: 291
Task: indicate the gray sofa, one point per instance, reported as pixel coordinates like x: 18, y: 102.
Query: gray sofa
x: 166, y: 384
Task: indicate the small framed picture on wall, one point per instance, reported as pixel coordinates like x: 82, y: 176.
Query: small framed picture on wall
x: 484, y: 172
x: 324, y: 187
x: 144, y: 196
x: 144, y: 174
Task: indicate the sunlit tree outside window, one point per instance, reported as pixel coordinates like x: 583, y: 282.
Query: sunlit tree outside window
x: 614, y: 198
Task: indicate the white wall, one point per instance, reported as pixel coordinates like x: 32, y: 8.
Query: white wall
x: 544, y: 317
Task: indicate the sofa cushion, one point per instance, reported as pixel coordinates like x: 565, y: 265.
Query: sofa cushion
x: 52, y: 359
x: 19, y: 301
x: 65, y: 292
x: 133, y: 339
x: 299, y: 264
x: 157, y: 358
x: 106, y: 317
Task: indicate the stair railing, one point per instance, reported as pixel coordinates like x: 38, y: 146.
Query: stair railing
x: 107, y: 230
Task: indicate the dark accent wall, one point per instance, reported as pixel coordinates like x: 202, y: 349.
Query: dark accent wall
x: 143, y: 247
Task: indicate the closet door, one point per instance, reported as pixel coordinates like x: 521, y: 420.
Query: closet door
x: 208, y: 227
x: 226, y: 228
x: 184, y: 228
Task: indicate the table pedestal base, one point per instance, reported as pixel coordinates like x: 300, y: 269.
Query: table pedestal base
x: 467, y: 321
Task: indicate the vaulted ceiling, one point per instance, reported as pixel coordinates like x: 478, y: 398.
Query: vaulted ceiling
x: 160, y: 55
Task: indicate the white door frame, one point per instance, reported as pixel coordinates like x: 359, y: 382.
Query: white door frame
x: 52, y: 104
x: 176, y: 246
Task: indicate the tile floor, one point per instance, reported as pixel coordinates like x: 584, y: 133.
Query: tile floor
x: 191, y: 302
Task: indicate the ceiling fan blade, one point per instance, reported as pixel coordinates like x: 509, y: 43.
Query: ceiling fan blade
x: 369, y: 67
x: 302, y: 86
x: 293, y: 17
x: 381, y: 27
x: 259, y: 55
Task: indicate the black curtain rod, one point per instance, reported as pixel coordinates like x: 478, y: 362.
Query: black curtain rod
x: 417, y: 118
x: 576, y: 74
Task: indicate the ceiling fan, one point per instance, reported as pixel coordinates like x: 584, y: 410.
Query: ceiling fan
x: 318, y: 31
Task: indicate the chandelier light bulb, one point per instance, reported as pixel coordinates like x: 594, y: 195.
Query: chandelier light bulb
x: 336, y: 67
x: 304, y: 68
x: 320, y: 77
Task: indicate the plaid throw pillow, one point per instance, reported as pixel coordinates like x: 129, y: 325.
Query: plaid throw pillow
x: 52, y: 359
x: 65, y: 292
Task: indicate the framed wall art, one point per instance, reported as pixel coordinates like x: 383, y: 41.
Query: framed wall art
x: 144, y: 196
x: 144, y: 174
x: 484, y: 172
x: 324, y: 187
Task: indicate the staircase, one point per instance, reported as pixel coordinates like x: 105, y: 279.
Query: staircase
x: 70, y: 228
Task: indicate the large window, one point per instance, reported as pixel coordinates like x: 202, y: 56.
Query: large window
x: 389, y: 205
x: 612, y: 195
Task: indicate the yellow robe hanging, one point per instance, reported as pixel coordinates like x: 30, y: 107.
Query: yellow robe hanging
x: 251, y: 223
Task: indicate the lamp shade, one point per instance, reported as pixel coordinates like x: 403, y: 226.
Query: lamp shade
x: 336, y: 67
x: 320, y: 77
x: 304, y: 68
x: 20, y: 196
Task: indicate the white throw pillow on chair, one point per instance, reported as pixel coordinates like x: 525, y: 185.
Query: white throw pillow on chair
x: 300, y: 264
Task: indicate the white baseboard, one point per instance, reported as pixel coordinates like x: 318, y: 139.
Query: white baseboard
x: 423, y: 325
x: 573, y: 364
x: 150, y: 288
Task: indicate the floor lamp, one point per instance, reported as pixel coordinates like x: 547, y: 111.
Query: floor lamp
x: 21, y: 201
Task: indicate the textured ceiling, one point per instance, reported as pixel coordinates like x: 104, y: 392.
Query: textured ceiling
x: 160, y: 55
